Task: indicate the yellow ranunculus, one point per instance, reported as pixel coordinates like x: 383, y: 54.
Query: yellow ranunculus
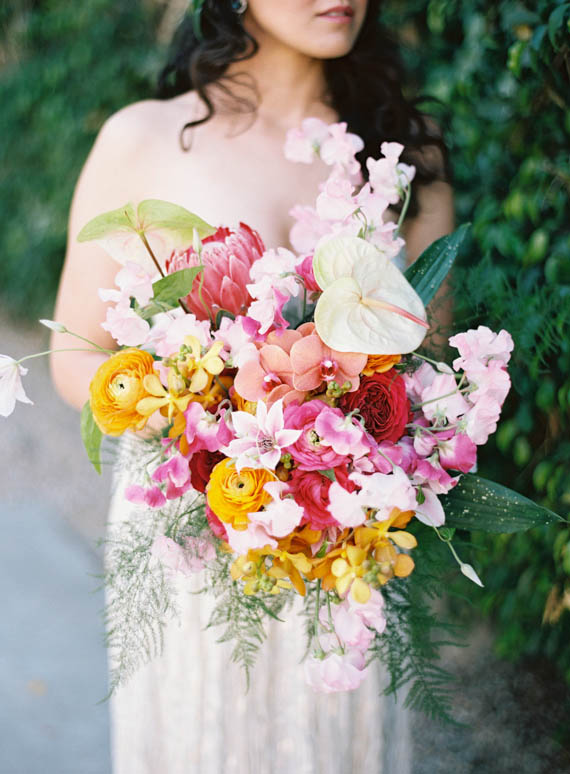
x: 232, y: 495
x: 117, y: 387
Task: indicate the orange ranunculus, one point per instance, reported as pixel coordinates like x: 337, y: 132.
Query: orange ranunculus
x: 378, y: 364
x: 116, y: 389
x: 232, y: 495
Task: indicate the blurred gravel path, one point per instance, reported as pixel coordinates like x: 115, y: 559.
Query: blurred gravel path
x: 52, y: 662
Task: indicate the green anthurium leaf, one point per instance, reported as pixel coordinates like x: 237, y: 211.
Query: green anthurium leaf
x: 427, y: 273
x: 122, y: 220
x: 168, y: 291
x: 156, y: 214
x: 91, y: 436
x: 476, y: 503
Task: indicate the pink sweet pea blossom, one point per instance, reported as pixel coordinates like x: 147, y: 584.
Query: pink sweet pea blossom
x: 305, y: 270
x: 281, y: 515
x: 152, y: 497
x: 11, y: 388
x: 481, y: 421
x: 430, y: 472
x: 175, y: 472
x: 491, y: 382
x: 171, y: 328
x: 481, y: 345
x: 307, y: 229
x: 260, y: 439
x: 342, y: 433
x: 335, y: 202
x: 302, y: 145
x: 187, y: 559
x: 431, y: 511
x: 341, y: 147
x: 442, y: 399
x: 388, y: 176
x: 237, y: 341
x: 347, y: 508
x: 458, y: 453
x: 255, y: 536
x: 418, y: 381
x: 371, y: 612
x: 386, y: 491
x: 204, y: 430
x: 308, y: 451
x: 349, y: 627
x: 125, y: 325
x: 335, y: 672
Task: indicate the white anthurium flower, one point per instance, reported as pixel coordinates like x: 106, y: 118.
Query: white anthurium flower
x: 367, y: 305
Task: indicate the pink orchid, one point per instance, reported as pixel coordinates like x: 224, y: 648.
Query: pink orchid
x: 125, y: 325
x: 342, y: 433
x: 442, y: 400
x: 227, y: 257
x: 314, y: 363
x: 260, y: 439
x: 335, y: 672
x: 270, y: 376
x: 11, y: 388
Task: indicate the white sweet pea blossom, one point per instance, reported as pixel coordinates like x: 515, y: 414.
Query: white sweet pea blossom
x: 11, y: 388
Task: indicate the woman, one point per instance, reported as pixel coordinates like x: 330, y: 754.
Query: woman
x: 245, y: 73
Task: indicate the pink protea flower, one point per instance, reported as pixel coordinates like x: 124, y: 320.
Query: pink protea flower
x: 314, y: 363
x: 227, y: 256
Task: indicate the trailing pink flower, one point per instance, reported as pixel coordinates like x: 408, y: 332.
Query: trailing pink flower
x: 152, y: 497
x: 335, y: 672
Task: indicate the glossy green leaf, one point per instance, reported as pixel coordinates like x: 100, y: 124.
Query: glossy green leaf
x: 168, y: 291
x: 91, y: 436
x: 478, y: 504
x: 427, y: 273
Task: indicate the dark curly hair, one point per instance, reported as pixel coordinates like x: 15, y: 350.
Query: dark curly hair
x: 364, y: 87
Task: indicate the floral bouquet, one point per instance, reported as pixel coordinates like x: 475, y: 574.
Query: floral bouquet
x: 309, y: 448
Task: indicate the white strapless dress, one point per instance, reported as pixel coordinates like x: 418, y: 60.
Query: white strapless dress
x: 188, y: 711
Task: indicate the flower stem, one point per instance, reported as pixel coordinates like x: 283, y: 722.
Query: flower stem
x: 404, y: 208
x: 417, y: 406
x: 50, y: 351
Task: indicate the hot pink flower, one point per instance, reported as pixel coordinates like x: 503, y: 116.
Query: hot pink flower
x: 311, y: 490
x: 305, y: 270
x: 342, y: 433
x: 429, y: 471
x: 308, y: 451
x: 175, y: 472
x: 314, y: 363
x: 458, y: 453
x: 227, y: 256
x: 139, y: 495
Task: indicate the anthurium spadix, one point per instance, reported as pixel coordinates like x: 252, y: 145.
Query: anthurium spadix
x: 155, y: 226
x: 367, y: 305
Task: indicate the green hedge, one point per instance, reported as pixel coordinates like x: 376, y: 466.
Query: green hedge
x: 65, y: 67
x: 501, y: 72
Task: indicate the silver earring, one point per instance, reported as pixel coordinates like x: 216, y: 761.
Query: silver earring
x: 239, y: 6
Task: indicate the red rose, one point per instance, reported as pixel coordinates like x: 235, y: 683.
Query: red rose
x: 201, y: 465
x: 383, y: 404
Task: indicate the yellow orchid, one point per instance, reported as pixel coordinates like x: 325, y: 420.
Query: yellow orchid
x: 251, y: 569
x: 287, y: 565
x: 348, y: 570
x: 161, y: 397
x: 195, y: 366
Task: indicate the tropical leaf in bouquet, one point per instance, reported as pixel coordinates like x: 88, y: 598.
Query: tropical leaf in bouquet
x: 427, y: 273
x: 479, y: 504
x: 91, y: 436
x: 367, y: 305
x: 156, y: 225
x: 168, y: 291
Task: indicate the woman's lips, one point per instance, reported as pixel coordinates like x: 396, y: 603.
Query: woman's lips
x: 342, y: 13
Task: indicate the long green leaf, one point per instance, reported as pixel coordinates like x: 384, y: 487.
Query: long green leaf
x: 108, y: 223
x: 155, y: 214
x: 168, y: 290
x: 92, y: 436
x: 427, y: 273
x: 476, y: 503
